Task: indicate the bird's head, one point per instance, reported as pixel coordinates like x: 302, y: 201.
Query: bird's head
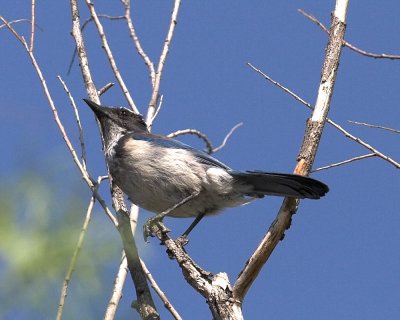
x: 116, y: 121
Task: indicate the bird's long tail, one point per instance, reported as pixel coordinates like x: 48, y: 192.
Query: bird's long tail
x: 280, y: 184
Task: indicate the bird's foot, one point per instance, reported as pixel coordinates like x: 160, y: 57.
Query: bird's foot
x: 154, y: 226
x: 182, y: 240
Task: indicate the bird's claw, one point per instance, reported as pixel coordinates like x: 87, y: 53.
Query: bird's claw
x: 152, y: 226
x: 182, y: 240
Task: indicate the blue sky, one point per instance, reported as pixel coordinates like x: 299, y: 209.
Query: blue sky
x: 340, y: 258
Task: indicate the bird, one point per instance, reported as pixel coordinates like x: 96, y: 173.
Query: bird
x: 169, y: 178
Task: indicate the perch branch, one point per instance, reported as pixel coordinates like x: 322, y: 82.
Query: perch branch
x: 145, y: 305
x: 216, y: 289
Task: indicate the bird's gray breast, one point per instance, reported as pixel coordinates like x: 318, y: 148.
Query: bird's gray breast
x: 157, y: 178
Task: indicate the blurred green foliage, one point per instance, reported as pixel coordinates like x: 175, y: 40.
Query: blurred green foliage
x: 39, y: 229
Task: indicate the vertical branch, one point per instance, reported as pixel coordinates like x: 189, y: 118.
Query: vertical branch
x: 117, y: 289
x: 80, y: 47
x: 306, y: 156
x: 167, y: 43
x: 32, y: 25
x: 75, y: 255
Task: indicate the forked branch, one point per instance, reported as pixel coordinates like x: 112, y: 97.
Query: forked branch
x: 307, y: 154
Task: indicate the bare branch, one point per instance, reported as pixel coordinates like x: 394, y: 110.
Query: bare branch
x: 81, y: 50
x: 209, y: 147
x: 196, y: 133
x: 161, y: 63
x: 105, y: 88
x: 110, y: 56
x: 227, y: 137
x: 78, y: 121
x: 117, y: 289
x: 365, y: 145
x: 306, y: 156
x: 374, y: 126
x: 82, y: 170
x: 145, y: 305
x: 160, y: 293
x: 331, y: 122
x: 216, y: 289
x: 122, y: 272
x: 85, y: 175
x: 349, y: 45
x: 150, y: 124
x: 369, y: 155
x: 32, y: 25
x: 295, y: 96
x: 15, y: 33
x: 84, y: 24
x: 75, y: 255
x: 135, y: 38
x: 14, y: 21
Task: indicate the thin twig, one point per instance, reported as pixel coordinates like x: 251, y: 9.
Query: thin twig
x: 227, y: 137
x: 195, y: 132
x: 369, y: 155
x: 135, y: 38
x: 374, y: 126
x: 349, y: 45
x: 14, y: 21
x: 331, y: 122
x: 84, y: 24
x: 167, y: 43
x: 167, y: 304
x: 209, y: 147
x: 117, y: 289
x: 105, y: 88
x: 75, y: 255
x: 78, y: 121
x: 110, y: 56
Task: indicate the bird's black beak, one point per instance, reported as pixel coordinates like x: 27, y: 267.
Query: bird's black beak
x: 96, y: 108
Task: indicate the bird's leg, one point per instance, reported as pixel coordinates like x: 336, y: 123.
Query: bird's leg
x: 183, y: 238
x: 148, y: 226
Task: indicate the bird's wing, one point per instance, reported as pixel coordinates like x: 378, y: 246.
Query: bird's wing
x: 175, y: 144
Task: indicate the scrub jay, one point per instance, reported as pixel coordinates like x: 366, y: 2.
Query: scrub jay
x: 167, y: 177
